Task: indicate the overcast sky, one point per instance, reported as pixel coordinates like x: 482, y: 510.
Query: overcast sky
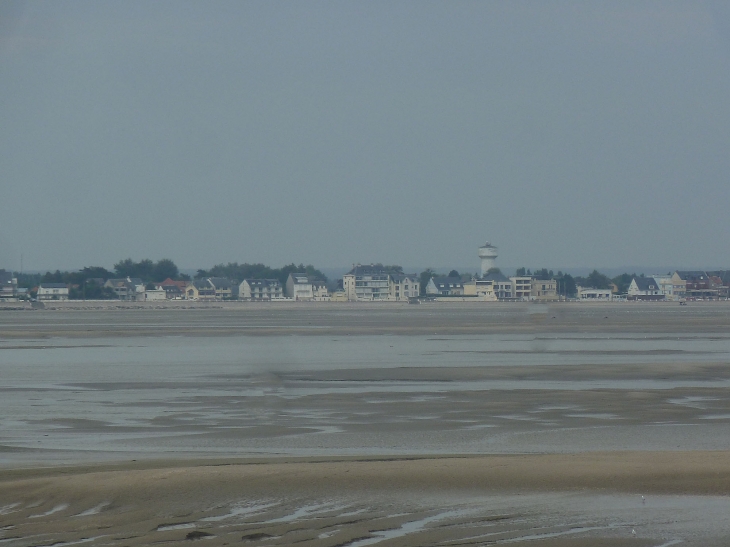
x: 566, y: 133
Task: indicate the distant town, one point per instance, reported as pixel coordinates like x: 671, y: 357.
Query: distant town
x: 159, y: 281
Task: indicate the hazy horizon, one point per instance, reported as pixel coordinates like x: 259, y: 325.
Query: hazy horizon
x: 566, y: 133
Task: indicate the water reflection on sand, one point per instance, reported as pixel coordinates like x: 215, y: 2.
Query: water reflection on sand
x: 310, y: 395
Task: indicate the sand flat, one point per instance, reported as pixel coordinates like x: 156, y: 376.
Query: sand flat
x: 355, y: 425
x: 517, y: 499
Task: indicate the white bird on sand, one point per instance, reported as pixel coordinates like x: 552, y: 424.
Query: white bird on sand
x: 633, y: 532
x: 643, y: 499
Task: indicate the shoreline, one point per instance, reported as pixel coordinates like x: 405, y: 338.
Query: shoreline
x: 222, y: 319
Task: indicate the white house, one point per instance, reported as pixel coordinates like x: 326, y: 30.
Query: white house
x: 589, y: 294
x: 320, y: 292
x: 303, y: 287
x: 155, y: 294
x: 644, y: 288
x: 445, y: 286
x: 299, y: 287
x: 52, y: 291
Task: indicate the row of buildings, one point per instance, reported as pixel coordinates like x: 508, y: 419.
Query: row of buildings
x: 299, y: 286
x: 678, y: 286
x: 681, y: 285
x: 365, y: 283
x: 494, y: 286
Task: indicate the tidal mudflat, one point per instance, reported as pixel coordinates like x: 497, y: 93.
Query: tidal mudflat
x: 358, y: 425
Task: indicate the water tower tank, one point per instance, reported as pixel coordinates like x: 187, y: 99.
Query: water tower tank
x: 488, y: 254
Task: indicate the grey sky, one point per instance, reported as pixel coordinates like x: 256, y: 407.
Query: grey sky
x: 567, y: 133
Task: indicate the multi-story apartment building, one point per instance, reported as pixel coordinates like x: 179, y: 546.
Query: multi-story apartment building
x: 260, y: 289
x: 367, y: 283
x: 521, y: 287
x: 698, y: 284
x: 223, y: 287
x: 544, y: 289
x: 303, y: 287
x: 8, y: 286
x: 199, y: 289
x: 481, y: 288
x: 501, y: 286
x: 404, y: 286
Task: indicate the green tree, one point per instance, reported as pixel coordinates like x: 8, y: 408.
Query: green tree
x: 55, y: 277
x: 28, y: 281
x: 424, y: 277
x: 543, y: 274
x: 597, y: 280
x: 125, y: 268
x: 454, y: 273
x: 163, y: 269
x: 623, y: 281
x: 146, y: 269
x: 91, y: 291
x: 566, y: 285
x: 521, y: 272
x: 234, y: 270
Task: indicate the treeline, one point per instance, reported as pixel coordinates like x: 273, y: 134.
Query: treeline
x: 84, y: 283
x: 234, y: 270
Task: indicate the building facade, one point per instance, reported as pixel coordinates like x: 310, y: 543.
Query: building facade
x: 199, y: 289
x: 8, y: 286
x: 521, y: 287
x: 223, y: 288
x: 366, y: 283
x: 445, y: 286
x: 260, y: 290
x: 52, y: 291
x: 404, y: 286
x: 644, y: 288
x: 697, y: 284
x: 544, y: 289
x: 589, y: 294
x: 124, y: 289
x: 482, y: 289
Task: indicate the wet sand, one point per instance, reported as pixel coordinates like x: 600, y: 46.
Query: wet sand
x: 79, y: 319
x: 351, y: 426
x: 583, y: 499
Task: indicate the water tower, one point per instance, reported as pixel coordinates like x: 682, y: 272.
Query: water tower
x: 488, y: 254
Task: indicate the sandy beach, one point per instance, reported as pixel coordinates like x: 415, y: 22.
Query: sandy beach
x: 458, y: 500
x: 351, y: 426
